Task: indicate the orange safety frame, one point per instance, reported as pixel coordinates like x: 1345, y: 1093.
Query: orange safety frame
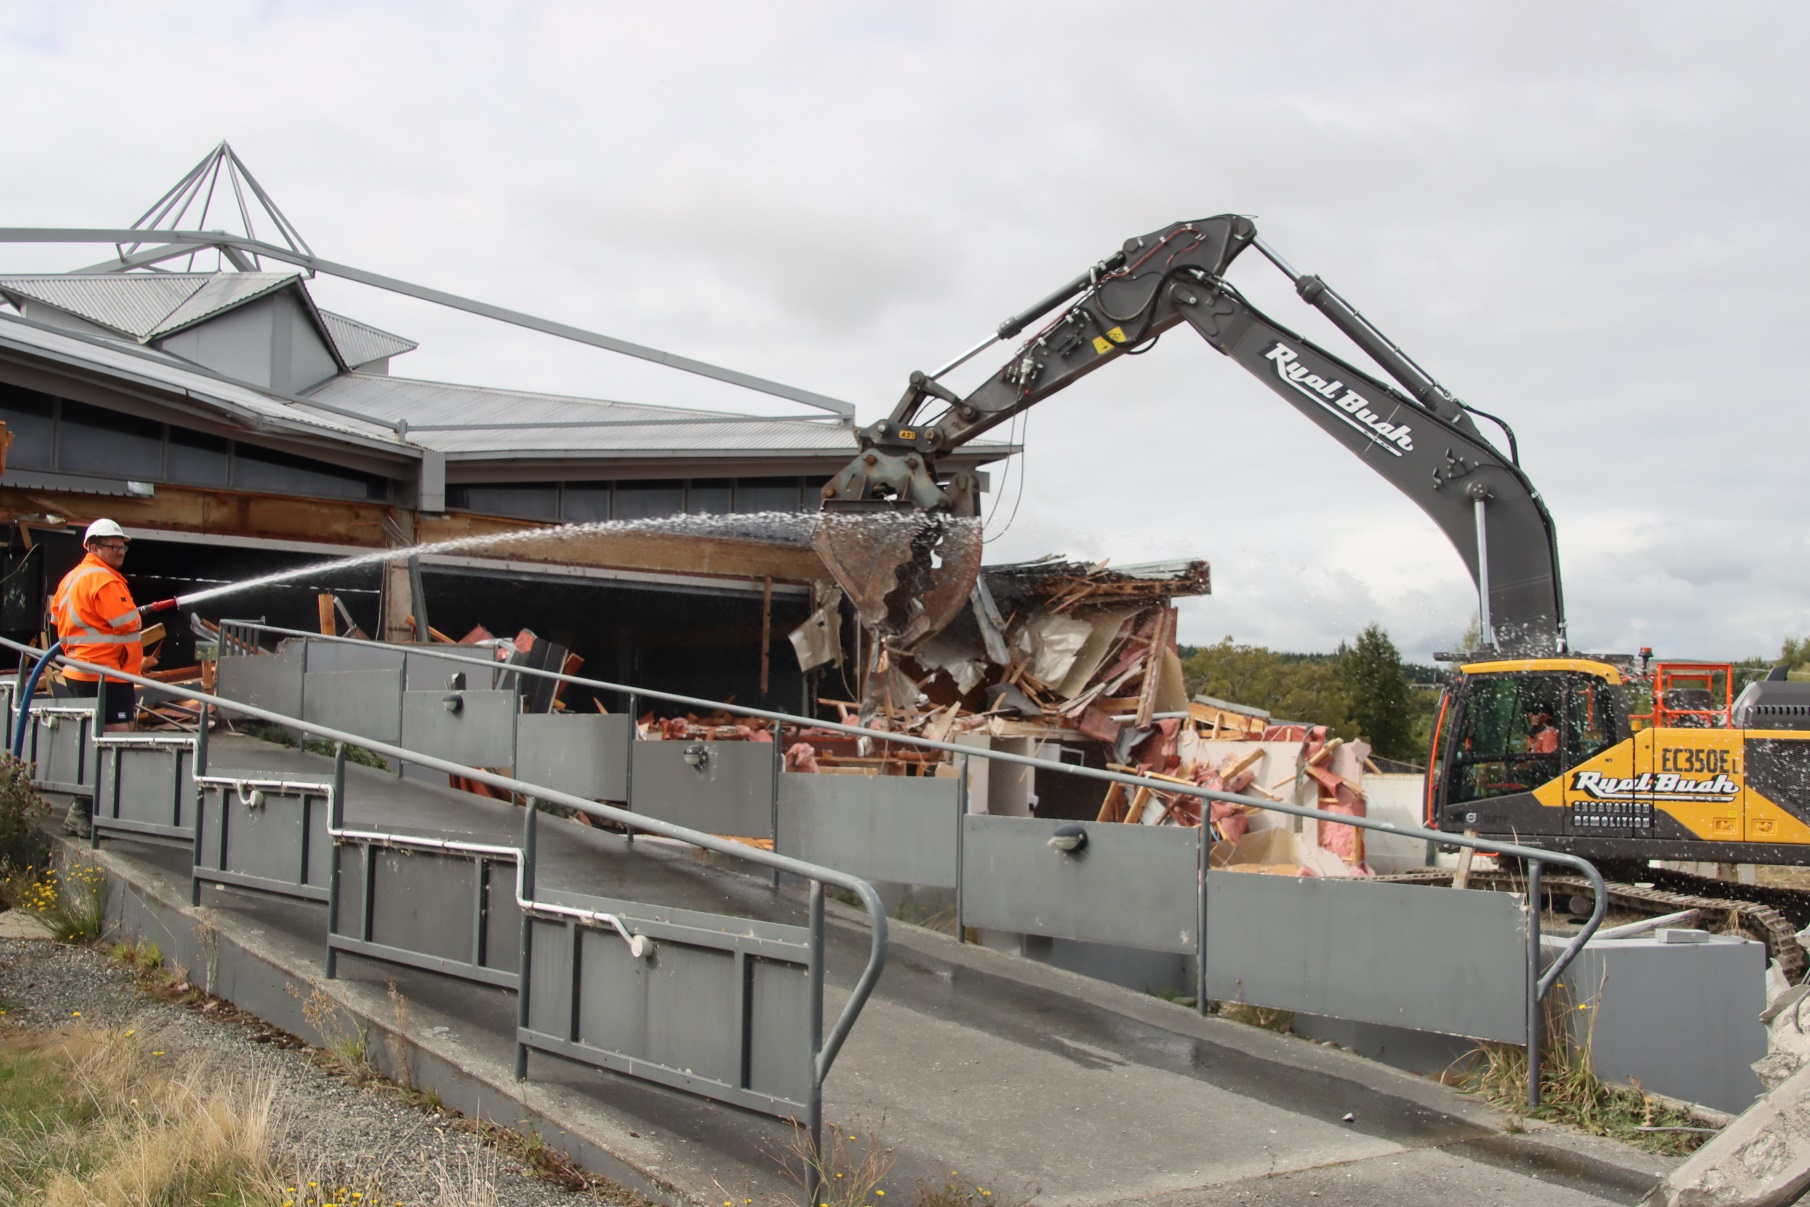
x: 1667, y: 675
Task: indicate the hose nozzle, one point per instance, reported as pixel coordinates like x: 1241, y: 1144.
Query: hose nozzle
x: 162, y: 605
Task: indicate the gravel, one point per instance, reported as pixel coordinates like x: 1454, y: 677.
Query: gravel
x: 334, y: 1131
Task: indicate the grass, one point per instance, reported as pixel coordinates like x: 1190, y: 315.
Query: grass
x: 70, y: 900
x: 342, y: 1039
x: 1279, y: 1021
x: 853, y: 1168
x: 110, y: 1115
x: 1570, y: 1091
x: 266, y: 732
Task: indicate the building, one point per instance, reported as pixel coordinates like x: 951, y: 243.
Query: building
x: 236, y: 428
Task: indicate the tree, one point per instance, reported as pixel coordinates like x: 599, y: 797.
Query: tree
x: 1378, y: 690
x: 1795, y: 652
x: 1290, y: 687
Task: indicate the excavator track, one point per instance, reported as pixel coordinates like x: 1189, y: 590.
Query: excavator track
x: 1763, y: 922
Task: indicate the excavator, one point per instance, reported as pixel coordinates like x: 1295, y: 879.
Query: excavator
x: 1619, y: 760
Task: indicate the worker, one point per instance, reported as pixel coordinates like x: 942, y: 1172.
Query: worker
x: 98, y: 623
x: 1542, y: 734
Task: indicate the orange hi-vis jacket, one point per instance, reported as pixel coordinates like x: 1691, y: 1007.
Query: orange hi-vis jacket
x: 97, y: 619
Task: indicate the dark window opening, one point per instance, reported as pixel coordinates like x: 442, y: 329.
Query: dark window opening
x: 91, y: 440
x: 650, y: 499
x: 31, y: 418
x: 197, y: 459
x: 283, y: 473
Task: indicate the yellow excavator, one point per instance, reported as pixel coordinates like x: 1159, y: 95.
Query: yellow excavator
x: 1621, y: 760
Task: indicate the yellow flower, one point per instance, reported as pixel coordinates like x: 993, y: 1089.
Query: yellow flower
x: 75, y: 1014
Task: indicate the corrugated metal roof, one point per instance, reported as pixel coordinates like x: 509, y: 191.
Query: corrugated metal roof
x: 134, y: 305
x: 602, y: 429
x: 360, y: 343
x: 220, y: 291
x: 609, y: 427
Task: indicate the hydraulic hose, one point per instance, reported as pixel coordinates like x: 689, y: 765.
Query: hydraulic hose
x: 31, y: 685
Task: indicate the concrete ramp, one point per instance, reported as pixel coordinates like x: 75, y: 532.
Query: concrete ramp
x: 1018, y: 1075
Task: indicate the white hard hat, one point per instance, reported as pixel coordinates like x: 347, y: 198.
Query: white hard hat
x: 104, y: 528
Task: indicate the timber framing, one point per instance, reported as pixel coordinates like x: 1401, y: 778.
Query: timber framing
x: 238, y: 514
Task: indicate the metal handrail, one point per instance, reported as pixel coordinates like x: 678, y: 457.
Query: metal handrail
x: 825, y: 1056
x: 1539, y: 984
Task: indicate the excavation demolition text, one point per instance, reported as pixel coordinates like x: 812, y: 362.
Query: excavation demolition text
x: 1351, y: 407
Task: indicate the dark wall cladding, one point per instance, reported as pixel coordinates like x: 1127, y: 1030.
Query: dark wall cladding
x: 285, y: 474
x: 91, y: 440
x: 198, y: 459
x: 31, y: 418
x: 52, y: 433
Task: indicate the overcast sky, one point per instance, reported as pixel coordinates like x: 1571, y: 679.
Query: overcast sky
x: 1589, y: 219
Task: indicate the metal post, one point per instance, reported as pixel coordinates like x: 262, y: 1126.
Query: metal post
x: 195, y: 862
x: 628, y: 766
x: 961, y: 830
x: 779, y: 763
x: 1486, y: 631
x: 1535, y: 907
x: 530, y: 835
x: 1200, y: 948
x: 201, y: 740
x: 418, y: 598
x: 336, y: 821
x: 814, y: 1163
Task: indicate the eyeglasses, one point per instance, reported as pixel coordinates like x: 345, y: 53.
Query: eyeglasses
x: 111, y: 546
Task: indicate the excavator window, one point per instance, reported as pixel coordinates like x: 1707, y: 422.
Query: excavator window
x: 1508, y: 740
x: 1591, y: 719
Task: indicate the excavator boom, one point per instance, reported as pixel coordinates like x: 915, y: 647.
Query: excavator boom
x: 1415, y: 434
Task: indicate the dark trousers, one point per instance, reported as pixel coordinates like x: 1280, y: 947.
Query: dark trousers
x: 122, y: 698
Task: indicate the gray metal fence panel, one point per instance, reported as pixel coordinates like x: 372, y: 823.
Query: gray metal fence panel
x: 146, y: 786
x: 453, y: 911
x: 60, y: 746
x: 1434, y: 959
x: 719, y: 1007
x: 730, y: 793
x: 330, y: 656
x: 268, y: 837
x: 268, y: 681
x: 1134, y: 885
x: 480, y: 734
x: 365, y: 702
x: 584, y: 754
x: 426, y: 672
x: 878, y: 827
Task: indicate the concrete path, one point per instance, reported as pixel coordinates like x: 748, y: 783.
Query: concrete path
x: 1020, y: 1076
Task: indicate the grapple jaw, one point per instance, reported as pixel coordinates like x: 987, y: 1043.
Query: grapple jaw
x: 908, y: 572
x: 906, y: 551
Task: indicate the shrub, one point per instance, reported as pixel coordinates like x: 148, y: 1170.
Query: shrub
x: 23, y: 842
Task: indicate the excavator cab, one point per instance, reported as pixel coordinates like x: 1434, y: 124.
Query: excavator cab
x: 1508, y: 731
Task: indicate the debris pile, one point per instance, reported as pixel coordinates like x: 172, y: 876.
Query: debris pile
x: 1084, y: 656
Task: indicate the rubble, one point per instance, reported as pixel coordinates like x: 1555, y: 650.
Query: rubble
x: 1762, y: 1159
x: 1085, y: 656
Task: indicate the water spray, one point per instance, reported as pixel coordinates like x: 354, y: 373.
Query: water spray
x: 784, y: 527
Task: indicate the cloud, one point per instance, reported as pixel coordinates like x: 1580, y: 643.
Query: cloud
x: 1586, y: 219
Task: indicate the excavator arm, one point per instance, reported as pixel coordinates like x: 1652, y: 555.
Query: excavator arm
x: 914, y: 577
